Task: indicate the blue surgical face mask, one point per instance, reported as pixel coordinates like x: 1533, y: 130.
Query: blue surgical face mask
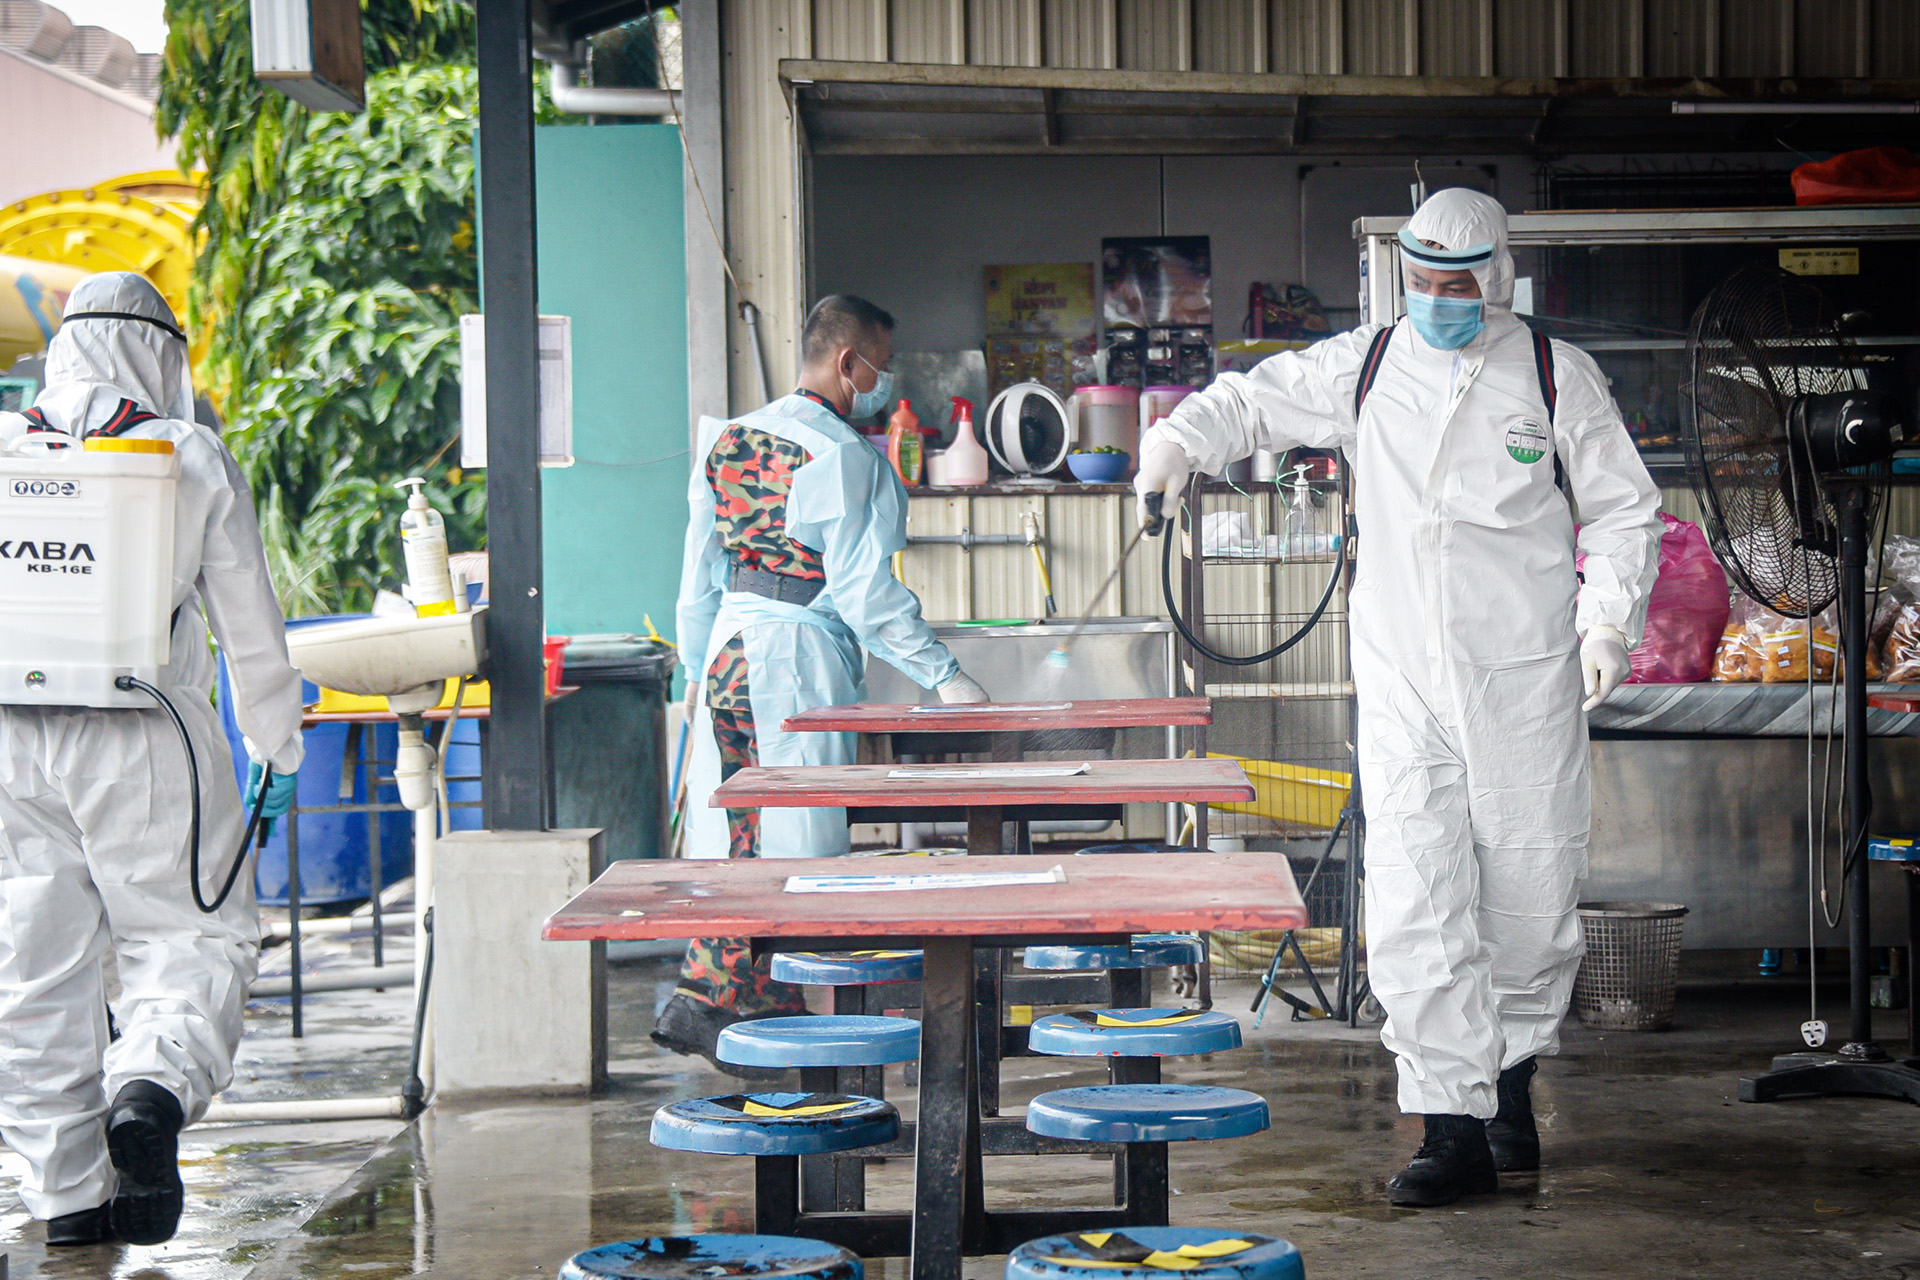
x: 868, y: 403
x: 1447, y: 323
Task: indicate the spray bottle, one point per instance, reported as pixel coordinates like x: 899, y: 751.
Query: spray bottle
x: 423, y: 537
x: 966, y: 456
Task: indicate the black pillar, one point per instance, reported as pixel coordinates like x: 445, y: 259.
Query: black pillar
x: 516, y: 772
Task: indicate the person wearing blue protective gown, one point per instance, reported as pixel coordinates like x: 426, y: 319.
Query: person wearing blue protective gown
x: 786, y: 586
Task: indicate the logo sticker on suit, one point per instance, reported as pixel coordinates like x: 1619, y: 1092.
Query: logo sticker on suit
x: 1527, y: 441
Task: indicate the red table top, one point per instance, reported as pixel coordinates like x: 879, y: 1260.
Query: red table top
x: 989, y: 717
x: 1021, y: 783
x: 1102, y: 893
x: 1894, y: 701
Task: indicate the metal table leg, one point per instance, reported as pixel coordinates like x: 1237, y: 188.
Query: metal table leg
x: 946, y: 1163
x: 293, y: 914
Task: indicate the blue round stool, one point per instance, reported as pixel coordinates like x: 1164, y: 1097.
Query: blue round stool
x: 844, y: 968
x: 1156, y: 1253
x: 1146, y: 1113
x: 820, y: 1040
x: 1134, y: 1033
x: 774, y: 1124
x: 712, y: 1257
x: 1149, y: 951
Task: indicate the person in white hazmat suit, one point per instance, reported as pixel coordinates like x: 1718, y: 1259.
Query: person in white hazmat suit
x: 794, y: 519
x: 94, y: 811
x: 1472, y: 642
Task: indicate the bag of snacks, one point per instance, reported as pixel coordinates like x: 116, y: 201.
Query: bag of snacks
x: 1786, y: 649
x: 1737, y: 659
x: 1900, y: 649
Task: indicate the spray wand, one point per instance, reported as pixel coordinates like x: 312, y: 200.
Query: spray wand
x: 1062, y: 656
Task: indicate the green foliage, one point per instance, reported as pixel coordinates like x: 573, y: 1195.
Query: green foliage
x: 338, y: 253
x: 350, y: 374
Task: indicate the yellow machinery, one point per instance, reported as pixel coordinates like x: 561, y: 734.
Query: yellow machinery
x: 32, y: 295
x: 140, y: 222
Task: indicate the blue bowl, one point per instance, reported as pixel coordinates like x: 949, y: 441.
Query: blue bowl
x: 1098, y: 468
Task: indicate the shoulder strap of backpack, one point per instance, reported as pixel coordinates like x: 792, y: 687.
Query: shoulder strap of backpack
x: 1370, y: 368
x: 1543, y: 369
x: 1549, y: 392
x: 126, y: 416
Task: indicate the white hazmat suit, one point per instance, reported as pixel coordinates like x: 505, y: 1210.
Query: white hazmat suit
x: 1465, y: 614
x: 94, y: 803
x: 847, y: 504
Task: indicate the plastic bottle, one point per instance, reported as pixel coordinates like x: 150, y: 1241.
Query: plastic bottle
x: 1301, y: 525
x: 423, y: 537
x: 966, y: 456
x: 903, y: 443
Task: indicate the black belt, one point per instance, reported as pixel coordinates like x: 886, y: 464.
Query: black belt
x: 774, y: 586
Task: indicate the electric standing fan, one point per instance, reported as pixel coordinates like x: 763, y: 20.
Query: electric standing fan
x: 1787, y: 451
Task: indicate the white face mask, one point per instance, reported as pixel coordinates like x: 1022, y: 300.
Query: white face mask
x: 868, y: 403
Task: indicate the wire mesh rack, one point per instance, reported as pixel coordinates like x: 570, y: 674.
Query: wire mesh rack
x: 1287, y: 719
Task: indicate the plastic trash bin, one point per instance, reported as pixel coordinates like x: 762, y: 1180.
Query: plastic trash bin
x: 609, y: 742
x: 334, y: 865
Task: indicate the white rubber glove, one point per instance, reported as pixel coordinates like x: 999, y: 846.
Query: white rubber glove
x: 1163, y: 470
x: 963, y: 688
x: 693, y: 697
x: 1603, y: 661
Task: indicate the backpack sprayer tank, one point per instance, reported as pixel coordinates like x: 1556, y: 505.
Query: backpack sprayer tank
x: 86, y: 568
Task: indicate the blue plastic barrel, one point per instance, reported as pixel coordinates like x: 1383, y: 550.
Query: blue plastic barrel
x: 334, y: 863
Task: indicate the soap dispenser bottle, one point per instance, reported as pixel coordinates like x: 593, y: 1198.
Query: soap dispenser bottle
x: 423, y: 539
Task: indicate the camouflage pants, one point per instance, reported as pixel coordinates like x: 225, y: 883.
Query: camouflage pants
x: 721, y: 971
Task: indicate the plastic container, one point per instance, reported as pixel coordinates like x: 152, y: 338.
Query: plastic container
x: 966, y: 462
x: 1291, y: 793
x: 1107, y: 416
x: 610, y: 759
x: 335, y: 847
x: 86, y: 584
x: 903, y: 443
x: 1632, y: 966
x: 1157, y: 402
x: 423, y: 537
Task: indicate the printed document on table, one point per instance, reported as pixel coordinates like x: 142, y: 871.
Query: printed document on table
x: 987, y: 708
x: 974, y: 773
x: 901, y: 883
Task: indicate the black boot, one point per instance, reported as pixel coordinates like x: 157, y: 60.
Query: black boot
x: 89, y: 1226
x: 143, y: 1131
x: 1452, y: 1162
x: 693, y: 1027
x: 1511, y: 1134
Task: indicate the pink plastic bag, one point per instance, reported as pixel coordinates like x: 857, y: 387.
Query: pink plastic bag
x: 1687, y: 612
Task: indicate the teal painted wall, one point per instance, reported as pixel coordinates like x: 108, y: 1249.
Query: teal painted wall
x: 612, y: 255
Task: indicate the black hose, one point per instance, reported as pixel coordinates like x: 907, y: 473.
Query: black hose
x: 125, y: 683
x: 1199, y: 646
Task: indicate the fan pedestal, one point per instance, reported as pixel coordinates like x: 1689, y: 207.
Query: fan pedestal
x: 1861, y: 1067
x: 1827, y: 1075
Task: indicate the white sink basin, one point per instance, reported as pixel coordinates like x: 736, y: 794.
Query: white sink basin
x: 381, y: 657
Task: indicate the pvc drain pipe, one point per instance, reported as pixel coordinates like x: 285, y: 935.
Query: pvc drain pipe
x: 305, y: 1109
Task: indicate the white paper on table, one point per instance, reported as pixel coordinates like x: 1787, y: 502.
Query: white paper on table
x: 1004, y: 772
x: 900, y: 883
x: 987, y: 708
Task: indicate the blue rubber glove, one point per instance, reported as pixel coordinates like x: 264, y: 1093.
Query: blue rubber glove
x: 280, y: 794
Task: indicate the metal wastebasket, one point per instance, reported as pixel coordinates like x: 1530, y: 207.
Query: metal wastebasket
x: 609, y: 742
x: 1632, y: 965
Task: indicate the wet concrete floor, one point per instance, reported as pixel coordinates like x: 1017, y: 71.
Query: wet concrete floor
x: 1653, y: 1168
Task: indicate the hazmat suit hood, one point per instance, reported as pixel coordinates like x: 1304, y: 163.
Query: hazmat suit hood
x: 1463, y: 221
x: 117, y: 335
